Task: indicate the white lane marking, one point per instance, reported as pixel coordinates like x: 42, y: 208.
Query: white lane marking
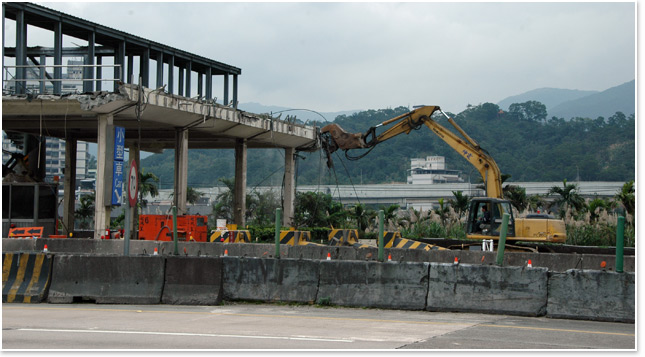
x: 186, y: 334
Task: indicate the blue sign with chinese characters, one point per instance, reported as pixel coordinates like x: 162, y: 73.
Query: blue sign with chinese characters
x: 119, y: 143
x: 117, y: 172
x: 117, y: 183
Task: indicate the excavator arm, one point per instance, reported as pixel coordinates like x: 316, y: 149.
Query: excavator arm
x: 466, y: 146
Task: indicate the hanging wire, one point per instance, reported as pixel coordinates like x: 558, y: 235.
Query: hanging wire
x: 350, y: 180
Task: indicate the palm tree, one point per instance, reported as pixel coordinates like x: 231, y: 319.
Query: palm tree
x: 442, y: 211
x: 568, y: 197
x: 262, y: 207
x: 148, y: 182
x: 534, y: 202
x: 389, y: 214
x: 596, y: 204
x: 192, y: 195
x: 223, y: 207
x: 86, y: 210
x: 517, y: 196
x: 362, y: 215
x: 626, y: 197
x: 460, y: 203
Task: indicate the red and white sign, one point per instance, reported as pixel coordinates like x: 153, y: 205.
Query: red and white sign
x: 133, y: 184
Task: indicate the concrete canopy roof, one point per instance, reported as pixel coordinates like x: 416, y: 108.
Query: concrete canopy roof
x: 156, y: 119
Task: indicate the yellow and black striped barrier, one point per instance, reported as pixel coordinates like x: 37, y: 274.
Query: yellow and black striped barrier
x: 389, y: 237
x: 237, y: 237
x: 241, y: 236
x: 293, y: 238
x: 412, y: 244
x: 25, y: 277
x: 343, y: 237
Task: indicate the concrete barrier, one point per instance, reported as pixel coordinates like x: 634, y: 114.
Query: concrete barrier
x: 75, y: 245
x: 18, y: 245
x: 25, y: 277
x: 287, y: 280
x: 554, y: 262
x: 487, y: 289
x: 373, y: 284
x: 592, y: 295
x: 192, y: 281
x: 107, y: 279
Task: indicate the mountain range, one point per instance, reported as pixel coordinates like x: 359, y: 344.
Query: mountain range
x: 569, y: 103
x: 561, y: 103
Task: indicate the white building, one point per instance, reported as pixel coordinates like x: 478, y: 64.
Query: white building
x: 431, y: 170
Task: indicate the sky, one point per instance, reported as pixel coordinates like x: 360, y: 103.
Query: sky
x: 335, y: 56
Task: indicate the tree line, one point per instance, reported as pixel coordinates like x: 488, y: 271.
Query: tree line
x: 527, y: 146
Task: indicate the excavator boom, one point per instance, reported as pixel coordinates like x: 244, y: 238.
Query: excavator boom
x: 405, y: 123
x: 543, y: 230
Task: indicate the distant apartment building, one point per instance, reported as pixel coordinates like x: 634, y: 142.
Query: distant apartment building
x: 55, y: 157
x: 72, y: 78
x: 431, y: 170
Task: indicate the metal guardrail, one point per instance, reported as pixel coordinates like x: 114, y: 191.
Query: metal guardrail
x: 37, y: 85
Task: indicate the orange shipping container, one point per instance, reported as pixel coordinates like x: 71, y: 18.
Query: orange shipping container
x: 159, y: 227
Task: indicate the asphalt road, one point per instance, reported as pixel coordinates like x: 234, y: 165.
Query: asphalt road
x: 253, y: 327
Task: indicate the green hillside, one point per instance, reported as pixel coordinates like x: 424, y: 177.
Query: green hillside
x: 524, y: 142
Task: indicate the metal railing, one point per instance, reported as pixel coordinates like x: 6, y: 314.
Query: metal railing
x: 19, y: 82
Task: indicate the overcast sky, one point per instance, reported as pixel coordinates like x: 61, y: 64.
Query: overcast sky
x: 345, y: 56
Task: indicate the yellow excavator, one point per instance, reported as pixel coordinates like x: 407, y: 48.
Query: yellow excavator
x: 484, y: 213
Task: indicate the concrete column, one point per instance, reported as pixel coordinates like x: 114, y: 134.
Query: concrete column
x: 288, y: 206
x: 102, y: 206
x: 171, y: 74
x: 21, y: 52
x: 99, y: 73
x: 239, y: 196
x: 58, y: 56
x: 189, y: 71
x: 130, y: 72
x: 3, y: 35
x: 209, y: 83
x: 119, y: 58
x: 225, y: 89
x: 181, y: 170
x: 69, y: 186
x: 200, y: 84
x: 144, y: 67
x: 159, y: 69
x: 235, y: 91
x: 88, y: 72
x: 180, y: 85
x: 134, y: 212
x: 42, y: 74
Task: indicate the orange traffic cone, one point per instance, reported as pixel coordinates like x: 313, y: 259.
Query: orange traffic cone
x: 389, y: 257
x: 156, y: 251
x: 456, y: 261
x: 328, y: 256
x: 529, y: 265
x: 45, y: 249
x: 226, y: 252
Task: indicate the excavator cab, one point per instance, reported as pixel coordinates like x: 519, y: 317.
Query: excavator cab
x: 485, y: 218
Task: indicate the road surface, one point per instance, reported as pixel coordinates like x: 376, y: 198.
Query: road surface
x: 247, y: 326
